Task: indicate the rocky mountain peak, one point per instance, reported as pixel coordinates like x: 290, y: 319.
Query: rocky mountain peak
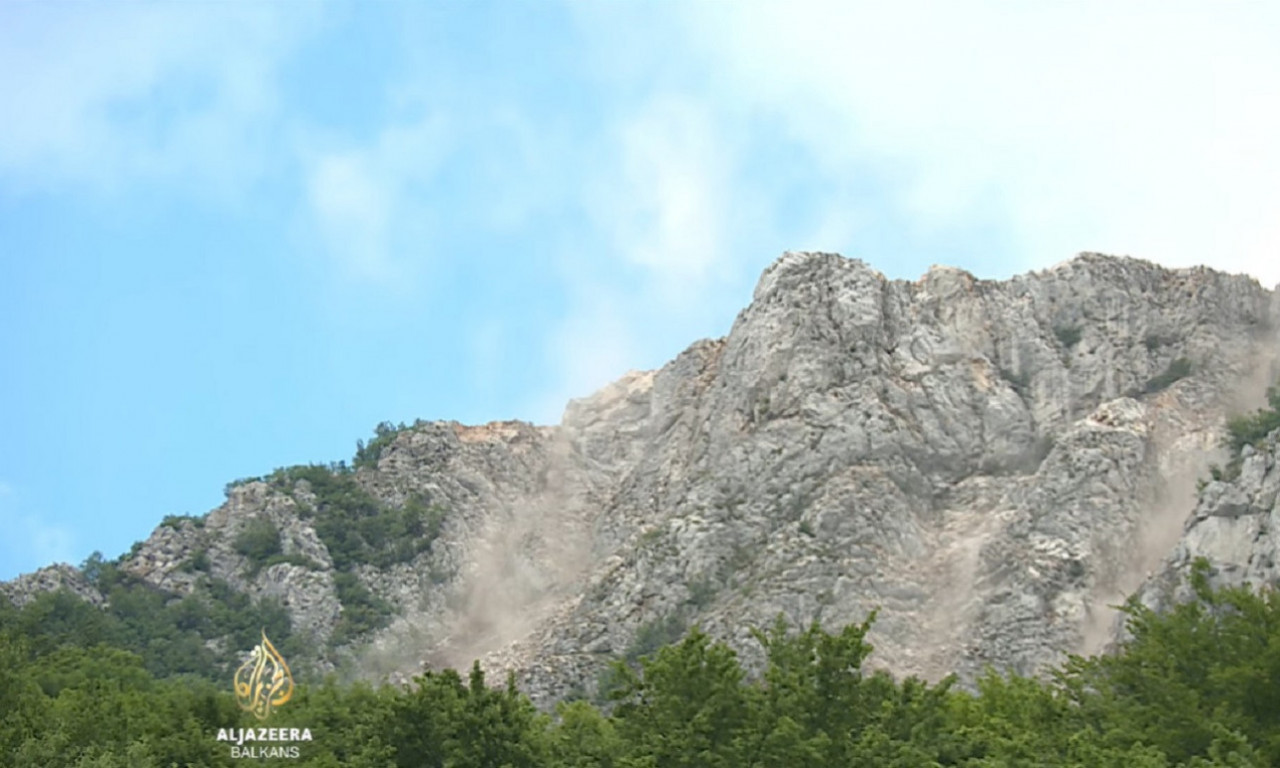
x: 990, y: 464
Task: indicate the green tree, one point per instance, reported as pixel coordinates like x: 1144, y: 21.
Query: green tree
x: 688, y: 707
x: 367, y: 455
x: 442, y: 722
x: 1189, y: 676
x: 583, y: 738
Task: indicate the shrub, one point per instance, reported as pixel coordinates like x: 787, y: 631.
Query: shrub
x: 702, y: 591
x: 198, y: 562
x: 1019, y: 380
x: 355, y: 526
x: 736, y: 565
x: 226, y: 489
x: 1178, y: 369
x: 1154, y: 341
x: 652, y: 635
x: 1068, y: 335
x: 258, y: 540
x: 399, y: 535
x: 362, y: 611
x: 1251, y: 429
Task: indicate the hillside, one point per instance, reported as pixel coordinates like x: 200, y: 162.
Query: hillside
x: 991, y: 464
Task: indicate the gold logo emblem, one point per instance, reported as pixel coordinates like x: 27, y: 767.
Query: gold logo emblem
x: 263, y: 682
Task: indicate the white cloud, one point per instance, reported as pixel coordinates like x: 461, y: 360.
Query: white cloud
x: 369, y: 203
x: 662, y: 207
x: 487, y: 346
x: 352, y: 207
x: 526, y: 169
x: 1122, y: 127
x: 659, y: 204
x: 594, y: 345
x: 107, y: 95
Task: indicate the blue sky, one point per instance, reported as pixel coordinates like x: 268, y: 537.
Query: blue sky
x: 235, y: 236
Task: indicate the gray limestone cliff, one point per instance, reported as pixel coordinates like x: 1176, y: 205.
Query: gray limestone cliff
x: 989, y: 464
x: 1235, y: 526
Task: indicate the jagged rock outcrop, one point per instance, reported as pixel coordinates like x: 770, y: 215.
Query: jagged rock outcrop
x: 1235, y: 526
x: 59, y: 576
x: 988, y: 463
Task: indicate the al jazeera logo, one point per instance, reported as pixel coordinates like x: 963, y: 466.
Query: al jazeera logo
x: 263, y: 683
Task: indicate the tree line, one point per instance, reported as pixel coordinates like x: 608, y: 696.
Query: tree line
x: 1198, y: 685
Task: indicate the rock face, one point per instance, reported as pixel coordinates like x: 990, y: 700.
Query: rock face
x: 987, y: 464
x: 1235, y: 526
x: 50, y: 578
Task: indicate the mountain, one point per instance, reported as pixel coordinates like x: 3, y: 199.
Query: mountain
x: 989, y: 465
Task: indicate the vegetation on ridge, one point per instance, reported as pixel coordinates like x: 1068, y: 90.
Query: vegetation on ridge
x: 359, y: 529
x: 356, y: 528
x: 199, y: 635
x: 367, y: 454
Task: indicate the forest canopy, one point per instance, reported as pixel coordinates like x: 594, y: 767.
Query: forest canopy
x: 1195, y: 686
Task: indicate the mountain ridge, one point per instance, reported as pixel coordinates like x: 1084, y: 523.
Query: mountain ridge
x: 987, y: 463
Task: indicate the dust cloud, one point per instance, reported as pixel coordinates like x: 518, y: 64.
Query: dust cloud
x: 1183, y: 453
x: 523, y: 565
x: 522, y: 560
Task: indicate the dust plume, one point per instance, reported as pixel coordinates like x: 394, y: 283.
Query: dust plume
x: 522, y: 566
x: 1183, y: 450
x: 513, y: 565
